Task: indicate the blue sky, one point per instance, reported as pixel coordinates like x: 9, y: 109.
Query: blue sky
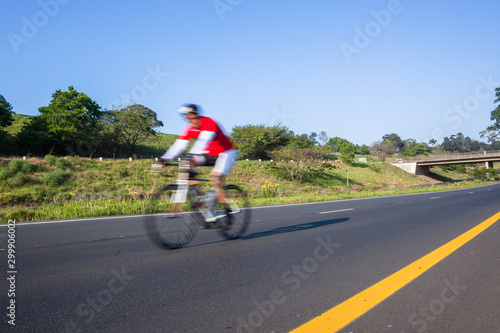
x: 355, y: 69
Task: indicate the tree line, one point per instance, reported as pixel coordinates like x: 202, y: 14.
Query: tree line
x: 74, y: 124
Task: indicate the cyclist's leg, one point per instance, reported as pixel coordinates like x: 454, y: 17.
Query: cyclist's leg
x: 216, y: 180
x: 223, y: 165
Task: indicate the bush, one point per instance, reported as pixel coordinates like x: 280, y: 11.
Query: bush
x: 4, y: 173
x: 454, y: 167
x: 19, y: 179
x: 55, y: 178
x: 56, y: 162
x: 28, y: 167
x: 483, y: 173
x: 60, y: 164
x: 20, y: 166
x: 51, y: 159
x: 375, y: 167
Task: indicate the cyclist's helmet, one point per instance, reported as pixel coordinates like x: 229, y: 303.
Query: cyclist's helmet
x: 189, y: 109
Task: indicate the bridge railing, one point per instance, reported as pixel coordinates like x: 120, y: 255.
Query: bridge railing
x: 450, y: 156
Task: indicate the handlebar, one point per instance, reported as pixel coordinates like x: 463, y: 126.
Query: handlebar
x: 183, y: 165
x: 184, y: 158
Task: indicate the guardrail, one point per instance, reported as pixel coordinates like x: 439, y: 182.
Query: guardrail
x: 451, y: 156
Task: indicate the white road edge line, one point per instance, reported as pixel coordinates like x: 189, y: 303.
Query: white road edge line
x: 337, y: 211
x: 96, y: 219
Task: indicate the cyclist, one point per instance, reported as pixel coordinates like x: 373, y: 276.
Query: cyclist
x: 212, y: 147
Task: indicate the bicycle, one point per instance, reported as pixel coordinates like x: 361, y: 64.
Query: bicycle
x: 201, y: 210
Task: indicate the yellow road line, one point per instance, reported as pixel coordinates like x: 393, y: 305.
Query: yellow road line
x: 340, y: 316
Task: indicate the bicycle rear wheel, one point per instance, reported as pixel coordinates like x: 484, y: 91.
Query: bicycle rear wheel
x: 170, y: 230
x: 238, y: 215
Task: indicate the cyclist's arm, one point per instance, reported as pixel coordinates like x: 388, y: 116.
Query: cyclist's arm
x: 203, y: 139
x: 176, y: 149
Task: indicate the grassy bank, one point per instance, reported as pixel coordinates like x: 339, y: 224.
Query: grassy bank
x: 60, y: 188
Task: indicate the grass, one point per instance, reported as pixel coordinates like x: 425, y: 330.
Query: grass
x: 361, y: 193
x: 71, y: 187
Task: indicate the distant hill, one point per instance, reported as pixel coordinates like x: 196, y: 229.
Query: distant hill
x: 17, y: 124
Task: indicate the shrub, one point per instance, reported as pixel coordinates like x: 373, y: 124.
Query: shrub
x: 454, y: 167
x: 61, y: 164
x: 55, y: 178
x: 483, y: 173
x: 20, y: 166
x: 375, y: 167
x: 56, y: 162
x: 19, y: 180
x: 4, y: 173
x: 51, y: 160
x: 28, y: 167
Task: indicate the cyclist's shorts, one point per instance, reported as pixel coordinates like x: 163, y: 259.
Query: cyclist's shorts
x: 223, y: 163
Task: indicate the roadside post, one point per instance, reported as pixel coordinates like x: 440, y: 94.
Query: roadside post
x: 347, y: 173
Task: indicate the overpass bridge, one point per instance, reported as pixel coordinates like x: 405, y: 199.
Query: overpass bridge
x: 419, y: 165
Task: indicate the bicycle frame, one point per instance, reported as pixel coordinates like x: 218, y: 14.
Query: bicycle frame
x: 184, y: 182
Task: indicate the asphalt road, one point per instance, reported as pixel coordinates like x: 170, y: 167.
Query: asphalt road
x: 295, y: 263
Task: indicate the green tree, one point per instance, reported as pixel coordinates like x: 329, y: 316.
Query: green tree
x: 301, y: 141
x: 416, y: 149
x: 336, y: 143
x: 255, y: 141
x: 6, y: 117
x: 364, y: 150
x: 407, y: 144
x: 347, y: 153
x: 313, y: 138
x: 6, y: 104
x: 35, y: 138
x: 492, y: 132
x: 396, y: 140
x: 111, y: 131
x: 130, y: 125
x: 71, y: 117
x: 461, y: 143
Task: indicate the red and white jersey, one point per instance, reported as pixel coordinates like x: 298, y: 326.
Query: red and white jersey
x: 217, y: 143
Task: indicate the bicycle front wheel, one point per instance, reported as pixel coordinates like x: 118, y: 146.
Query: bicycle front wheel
x: 237, y: 213
x: 170, y: 230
